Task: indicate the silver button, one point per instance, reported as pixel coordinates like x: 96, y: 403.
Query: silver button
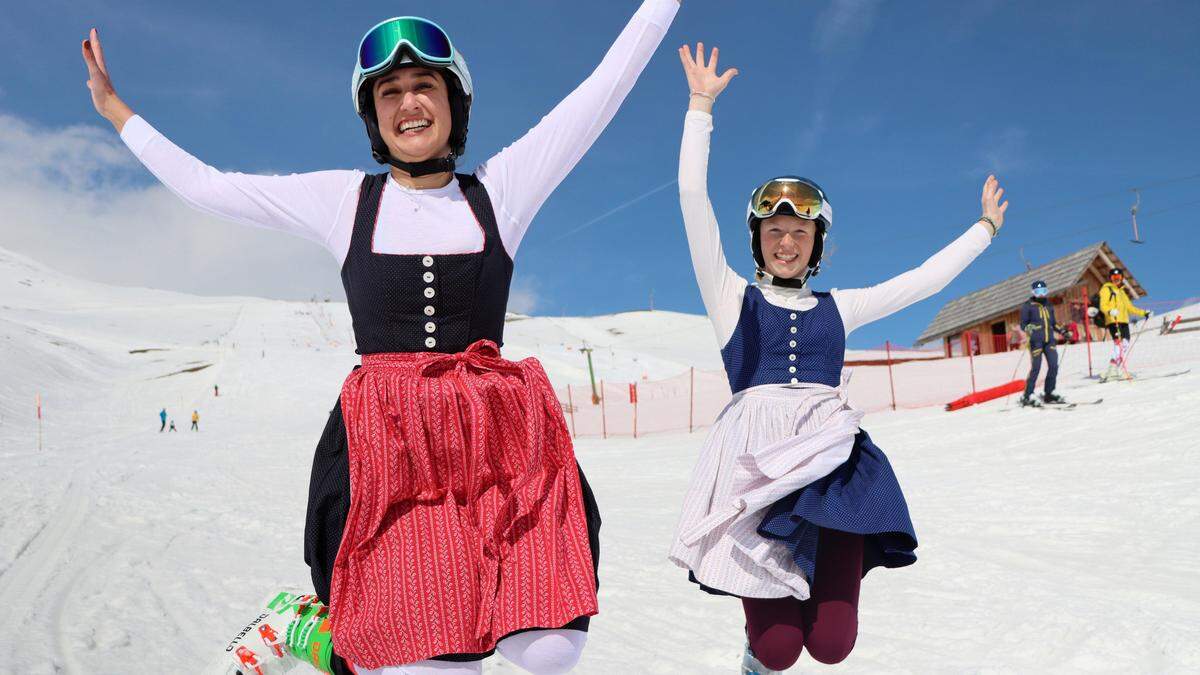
x: 428, y: 277
x: 793, y: 316
x: 792, y: 343
x: 427, y: 261
x: 794, y: 380
x: 430, y: 327
x: 793, y: 327
x: 429, y: 312
x: 791, y: 357
x: 430, y: 342
x: 429, y: 294
x: 792, y: 369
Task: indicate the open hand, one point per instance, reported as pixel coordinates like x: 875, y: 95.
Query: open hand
x: 702, y: 76
x: 104, y: 96
x: 992, y: 208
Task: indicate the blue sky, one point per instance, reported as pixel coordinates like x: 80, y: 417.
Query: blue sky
x: 898, y: 109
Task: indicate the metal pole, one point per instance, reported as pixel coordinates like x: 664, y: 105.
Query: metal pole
x: 970, y: 357
x: 633, y: 388
x: 1087, y: 327
x: 891, y: 382
x: 571, y: 410
x: 591, y: 374
x: 691, y: 396
x: 603, y: 413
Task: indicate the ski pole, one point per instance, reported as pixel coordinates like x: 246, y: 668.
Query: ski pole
x: 1145, y: 322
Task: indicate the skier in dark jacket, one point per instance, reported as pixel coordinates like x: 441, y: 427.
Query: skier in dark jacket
x: 1037, y: 321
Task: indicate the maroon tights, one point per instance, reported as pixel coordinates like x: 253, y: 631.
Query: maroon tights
x: 827, y: 623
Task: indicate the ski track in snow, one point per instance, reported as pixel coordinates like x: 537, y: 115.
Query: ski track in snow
x: 1048, y: 542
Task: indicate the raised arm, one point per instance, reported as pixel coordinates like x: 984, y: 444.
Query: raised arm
x: 860, y: 306
x: 721, y: 288
x: 522, y: 176
x: 302, y: 204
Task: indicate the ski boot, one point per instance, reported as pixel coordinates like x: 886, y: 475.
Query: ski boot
x: 1029, y: 402
x: 752, y: 666
x: 1053, y: 399
x: 1112, y: 373
x: 291, y: 629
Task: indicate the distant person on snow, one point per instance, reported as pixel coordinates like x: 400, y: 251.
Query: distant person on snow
x: 1116, y: 307
x: 172, y: 427
x: 216, y: 391
x: 195, y: 421
x: 1037, y: 321
x: 162, y: 416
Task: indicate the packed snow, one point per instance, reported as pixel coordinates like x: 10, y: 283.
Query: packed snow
x: 1053, y: 540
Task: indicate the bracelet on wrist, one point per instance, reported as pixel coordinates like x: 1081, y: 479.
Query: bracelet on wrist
x: 990, y: 223
x: 705, y: 95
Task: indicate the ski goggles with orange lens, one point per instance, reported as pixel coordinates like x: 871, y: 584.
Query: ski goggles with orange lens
x: 804, y: 197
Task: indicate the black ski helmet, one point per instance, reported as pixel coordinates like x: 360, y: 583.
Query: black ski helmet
x: 822, y: 214
x: 460, y: 94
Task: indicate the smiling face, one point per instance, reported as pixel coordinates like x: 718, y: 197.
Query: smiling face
x: 412, y: 105
x: 787, y: 245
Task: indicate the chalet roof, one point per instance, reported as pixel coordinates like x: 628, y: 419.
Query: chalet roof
x: 1006, y: 296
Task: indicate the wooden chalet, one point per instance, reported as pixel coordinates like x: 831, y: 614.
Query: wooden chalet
x: 988, y: 318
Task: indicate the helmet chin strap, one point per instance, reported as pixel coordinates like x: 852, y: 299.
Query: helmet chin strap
x: 794, y: 282
x: 423, y: 168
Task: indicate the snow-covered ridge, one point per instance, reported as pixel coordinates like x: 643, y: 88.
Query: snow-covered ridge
x: 126, y: 550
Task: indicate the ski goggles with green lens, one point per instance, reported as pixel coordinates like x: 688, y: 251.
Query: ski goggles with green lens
x: 802, y: 195
x: 427, y: 41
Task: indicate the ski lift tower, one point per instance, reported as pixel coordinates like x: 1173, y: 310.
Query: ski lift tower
x: 1133, y: 212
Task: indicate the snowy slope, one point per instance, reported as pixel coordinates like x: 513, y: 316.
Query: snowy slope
x: 1050, y: 540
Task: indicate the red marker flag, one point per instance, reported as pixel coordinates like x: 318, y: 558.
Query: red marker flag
x: 39, y: 406
x: 632, y: 392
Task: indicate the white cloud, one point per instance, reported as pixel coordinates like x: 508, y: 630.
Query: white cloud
x: 523, y: 297
x: 843, y: 24
x: 811, y: 135
x: 75, y: 199
x: 1005, y: 150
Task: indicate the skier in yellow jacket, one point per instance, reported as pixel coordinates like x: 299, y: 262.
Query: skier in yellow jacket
x: 1116, y: 307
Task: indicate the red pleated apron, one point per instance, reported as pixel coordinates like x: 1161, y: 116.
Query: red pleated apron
x: 466, y: 518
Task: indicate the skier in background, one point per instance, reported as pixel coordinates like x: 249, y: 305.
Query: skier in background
x: 1116, y: 307
x: 216, y: 391
x: 1037, y: 321
x: 172, y: 427
x: 162, y: 416
x: 195, y: 420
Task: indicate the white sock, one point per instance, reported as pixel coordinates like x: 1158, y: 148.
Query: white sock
x: 544, y: 652
x: 426, y: 668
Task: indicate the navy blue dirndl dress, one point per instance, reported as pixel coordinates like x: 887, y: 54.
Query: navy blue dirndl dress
x: 777, y: 345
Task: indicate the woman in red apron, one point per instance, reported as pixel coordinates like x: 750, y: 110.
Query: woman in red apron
x: 447, y: 516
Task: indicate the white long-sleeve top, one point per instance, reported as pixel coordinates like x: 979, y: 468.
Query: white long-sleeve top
x: 320, y: 206
x: 722, y: 289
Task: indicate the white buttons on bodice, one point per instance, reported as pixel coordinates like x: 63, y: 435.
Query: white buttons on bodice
x: 427, y: 261
x: 791, y: 357
x: 430, y: 327
x: 429, y: 292
x: 792, y: 344
x: 793, y: 316
x: 428, y: 310
x: 428, y: 277
x: 792, y: 369
x: 793, y: 329
x: 430, y: 342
